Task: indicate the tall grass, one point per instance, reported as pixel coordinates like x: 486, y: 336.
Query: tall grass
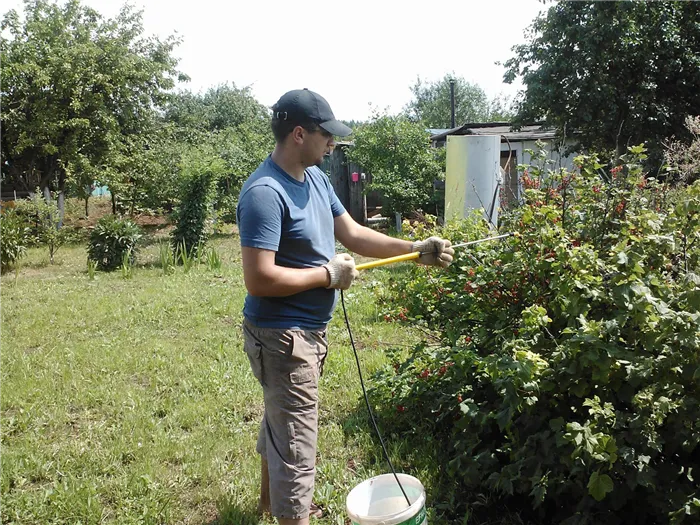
x: 186, y: 257
x: 126, y: 267
x: 212, y: 259
x: 167, y: 257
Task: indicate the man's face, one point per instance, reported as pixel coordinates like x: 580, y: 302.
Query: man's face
x: 317, y: 144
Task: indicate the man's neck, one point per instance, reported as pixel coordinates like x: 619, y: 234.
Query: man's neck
x: 290, y: 165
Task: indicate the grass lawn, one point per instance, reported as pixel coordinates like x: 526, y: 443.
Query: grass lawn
x: 131, y: 400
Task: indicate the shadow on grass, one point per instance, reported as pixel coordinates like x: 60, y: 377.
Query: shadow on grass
x: 233, y: 513
x: 154, y: 235
x: 223, y: 235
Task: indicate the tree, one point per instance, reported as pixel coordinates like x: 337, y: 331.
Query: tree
x: 43, y: 216
x: 397, y: 153
x: 234, y: 126
x: 219, y: 108
x: 242, y: 149
x: 75, y: 87
x: 616, y: 73
x: 432, y: 104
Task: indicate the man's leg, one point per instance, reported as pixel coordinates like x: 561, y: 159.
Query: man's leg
x: 303, y: 521
x: 290, y: 361
x: 264, y: 504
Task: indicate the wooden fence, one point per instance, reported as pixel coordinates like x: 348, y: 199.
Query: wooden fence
x: 340, y: 169
x: 12, y: 194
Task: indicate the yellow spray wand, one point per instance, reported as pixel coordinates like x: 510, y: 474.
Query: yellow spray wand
x: 415, y: 255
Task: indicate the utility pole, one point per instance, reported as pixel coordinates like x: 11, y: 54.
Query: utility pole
x: 452, y: 103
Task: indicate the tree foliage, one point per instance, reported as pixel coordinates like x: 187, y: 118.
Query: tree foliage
x: 432, y: 103
x: 683, y: 159
x: 232, y: 125
x: 219, y: 108
x: 397, y: 153
x: 76, y: 89
x: 616, y: 73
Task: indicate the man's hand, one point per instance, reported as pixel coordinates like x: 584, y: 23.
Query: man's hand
x: 434, y: 251
x: 341, y: 271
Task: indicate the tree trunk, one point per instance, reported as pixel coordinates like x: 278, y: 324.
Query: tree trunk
x: 114, y: 203
x: 133, y: 201
x: 61, y: 207
x: 86, y: 206
x: 61, y: 198
x: 46, y: 178
x: 618, y: 146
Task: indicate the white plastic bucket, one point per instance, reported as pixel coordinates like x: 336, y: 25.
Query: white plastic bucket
x: 379, y: 501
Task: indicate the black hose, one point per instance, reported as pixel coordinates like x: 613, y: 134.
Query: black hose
x: 364, y: 391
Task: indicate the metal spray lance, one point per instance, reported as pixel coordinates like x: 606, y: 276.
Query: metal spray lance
x: 415, y: 255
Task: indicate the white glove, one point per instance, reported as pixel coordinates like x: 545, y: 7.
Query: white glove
x: 341, y: 270
x: 434, y: 251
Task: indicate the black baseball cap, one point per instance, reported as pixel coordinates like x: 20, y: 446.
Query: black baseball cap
x: 303, y: 105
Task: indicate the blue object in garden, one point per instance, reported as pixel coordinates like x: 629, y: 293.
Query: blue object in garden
x: 100, y: 191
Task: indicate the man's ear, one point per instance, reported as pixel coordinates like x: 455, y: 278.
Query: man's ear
x: 298, y: 134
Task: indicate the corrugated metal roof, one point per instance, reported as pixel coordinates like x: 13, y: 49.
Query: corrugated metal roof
x: 436, y: 131
x: 531, y: 132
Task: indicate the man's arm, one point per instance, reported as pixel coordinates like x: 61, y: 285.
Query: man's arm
x: 366, y: 241
x: 263, y: 278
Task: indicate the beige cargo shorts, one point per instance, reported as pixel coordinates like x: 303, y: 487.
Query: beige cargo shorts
x: 288, y: 363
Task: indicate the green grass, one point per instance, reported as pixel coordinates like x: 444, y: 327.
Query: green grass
x: 130, y: 400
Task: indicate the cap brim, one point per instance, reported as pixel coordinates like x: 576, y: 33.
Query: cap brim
x: 336, y: 127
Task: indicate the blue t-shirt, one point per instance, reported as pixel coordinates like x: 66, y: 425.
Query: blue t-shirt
x: 294, y: 219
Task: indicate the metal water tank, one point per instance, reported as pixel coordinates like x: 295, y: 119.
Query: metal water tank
x: 473, y: 179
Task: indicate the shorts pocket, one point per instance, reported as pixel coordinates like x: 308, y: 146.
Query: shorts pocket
x: 254, y: 351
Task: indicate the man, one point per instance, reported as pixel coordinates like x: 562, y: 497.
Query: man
x: 289, y: 219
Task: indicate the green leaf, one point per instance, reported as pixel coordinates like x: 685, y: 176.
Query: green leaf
x: 557, y: 424
x: 599, y: 485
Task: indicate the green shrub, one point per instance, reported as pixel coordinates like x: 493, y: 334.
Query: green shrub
x: 200, y: 172
x: 14, y: 234
x: 567, y: 378
x: 43, y: 221
x: 111, y: 240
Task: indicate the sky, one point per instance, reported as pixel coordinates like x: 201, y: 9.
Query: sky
x: 361, y: 55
